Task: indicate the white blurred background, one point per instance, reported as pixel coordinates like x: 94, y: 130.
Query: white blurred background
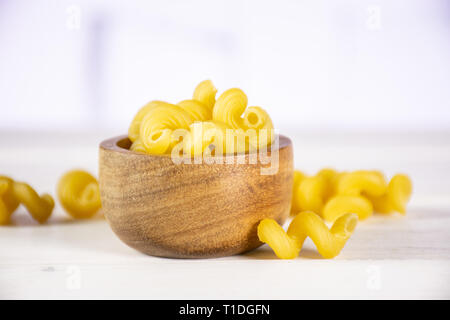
x: 322, y: 65
x: 355, y: 84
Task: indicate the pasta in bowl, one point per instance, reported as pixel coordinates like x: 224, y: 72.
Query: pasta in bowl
x: 192, y: 210
x: 195, y: 178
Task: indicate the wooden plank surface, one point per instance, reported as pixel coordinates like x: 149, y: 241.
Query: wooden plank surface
x: 387, y: 257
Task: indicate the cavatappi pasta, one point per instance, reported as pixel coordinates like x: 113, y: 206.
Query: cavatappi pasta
x: 298, y: 178
x: 197, y: 110
x: 205, y: 134
x: 222, y: 126
x: 396, y: 196
x: 339, y: 197
x: 137, y: 146
x: 13, y: 193
x: 78, y: 192
x: 331, y: 194
x: 342, y: 204
x: 205, y: 92
x: 287, y: 245
x: 134, y: 129
x: 157, y: 126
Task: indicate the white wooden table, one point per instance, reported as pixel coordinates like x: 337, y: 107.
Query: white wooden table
x: 387, y: 257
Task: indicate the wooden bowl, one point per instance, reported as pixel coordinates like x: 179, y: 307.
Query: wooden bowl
x: 190, y: 210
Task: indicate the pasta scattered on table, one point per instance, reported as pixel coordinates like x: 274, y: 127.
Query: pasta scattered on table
x: 342, y: 204
x: 330, y: 193
x: 78, y: 192
x: 331, y: 196
x: 13, y: 193
x: 396, y: 196
x: 287, y: 245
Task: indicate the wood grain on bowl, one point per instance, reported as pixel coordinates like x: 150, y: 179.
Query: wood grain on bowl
x: 190, y: 210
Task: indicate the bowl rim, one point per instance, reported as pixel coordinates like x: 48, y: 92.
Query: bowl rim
x: 112, y: 144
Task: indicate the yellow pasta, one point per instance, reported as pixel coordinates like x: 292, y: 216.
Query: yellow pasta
x: 256, y: 118
x: 329, y: 242
x: 13, y: 193
x: 341, y: 204
x: 327, y: 173
x: 137, y: 146
x: 399, y: 192
x: 158, y: 125
x: 197, y: 110
x: 285, y: 247
x: 240, y: 140
x: 8, y: 203
x: 79, y: 194
x: 219, y: 137
x: 357, y: 182
x: 381, y: 204
x: 134, y: 129
x: 396, y: 197
x: 298, y: 177
x: 40, y: 207
x: 203, y: 135
x: 205, y: 92
x: 310, y: 194
x: 331, y: 194
x: 330, y: 177
x: 229, y: 108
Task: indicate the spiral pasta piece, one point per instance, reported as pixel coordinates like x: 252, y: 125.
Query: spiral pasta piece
x: 230, y: 106
x: 396, y: 197
x: 381, y: 204
x: 5, y: 214
x: 399, y: 191
x: 206, y: 134
x: 134, y: 129
x: 158, y: 125
x: 39, y: 207
x: 341, y: 204
x: 218, y: 136
x: 330, y: 177
x: 298, y: 178
x: 137, y: 146
x: 8, y: 203
x: 197, y: 110
x: 6, y: 193
x: 331, y: 194
x: 205, y: 92
x: 310, y: 194
x: 13, y: 193
x: 329, y: 242
x: 78, y: 192
x: 328, y: 174
x: 258, y: 119
x: 368, y: 182
x: 161, y: 128
x: 287, y: 245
